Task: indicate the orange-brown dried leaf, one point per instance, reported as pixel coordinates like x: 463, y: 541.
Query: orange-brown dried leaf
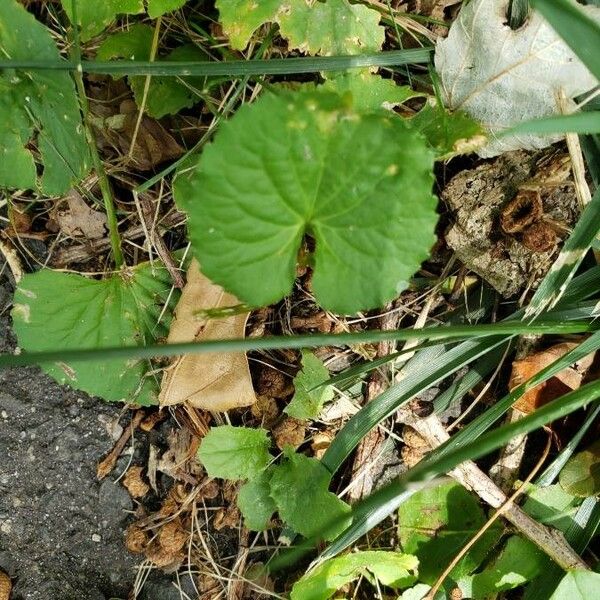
x: 136, y: 539
x: 162, y: 557
x: 76, y: 219
x: 265, y: 409
x: 320, y: 442
x: 172, y: 537
x: 290, y: 432
x: 5, y: 586
x: 563, y: 382
x: 227, y: 517
x: 217, y: 381
x: 134, y: 482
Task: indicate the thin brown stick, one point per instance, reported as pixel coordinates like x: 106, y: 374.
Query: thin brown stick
x: 433, y: 591
x: 551, y: 541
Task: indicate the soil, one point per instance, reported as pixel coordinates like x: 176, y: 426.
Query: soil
x: 61, y: 530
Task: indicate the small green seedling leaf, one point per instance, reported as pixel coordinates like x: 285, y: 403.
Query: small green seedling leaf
x: 94, y: 16
x: 578, y: 585
x: 299, y: 487
x: 391, y: 569
x: 43, y: 102
x: 448, y: 133
x: 330, y: 27
x: 156, y: 8
x: 234, y: 452
x: 369, y: 91
x: 166, y: 95
x: 301, y: 163
x: 581, y: 475
x: 54, y: 311
x: 435, y: 524
x: 519, y: 562
x: 255, y: 502
x: 310, y: 395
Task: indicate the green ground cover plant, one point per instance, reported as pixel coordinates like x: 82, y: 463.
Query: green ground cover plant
x: 323, y: 155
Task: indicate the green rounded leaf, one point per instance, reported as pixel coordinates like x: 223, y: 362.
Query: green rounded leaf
x: 54, y: 311
x: 578, y: 585
x: 299, y: 487
x: 581, y: 475
x: 392, y: 569
x: 234, y: 452
x: 301, y: 163
x: 255, y: 502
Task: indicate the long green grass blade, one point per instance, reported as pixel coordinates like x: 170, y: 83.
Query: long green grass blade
x: 554, y: 285
x: 581, y: 33
x: 234, y: 68
x: 581, y: 122
x: 301, y: 341
x: 517, y: 13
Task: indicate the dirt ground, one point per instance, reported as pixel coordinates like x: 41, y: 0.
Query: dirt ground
x: 61, y: 530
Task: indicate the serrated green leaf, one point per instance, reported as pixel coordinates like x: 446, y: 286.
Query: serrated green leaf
x: 156, y: 8
x: 369, y: 92
x: 392, y: 569
x: 303, y: 162
x: 234, y: 452
x: 43, y: 102
x: 581, y: 475
x: 435, y: 524
x: 519, y: 562
x: 299, y: 487
x: 166, y: 95
x: 330, y: 27
x: 578, y: 585
x: 255, y: 502
x: 449, y: 133
x: 55, y: 311
x: 307, y: 401
x: 94, y: 16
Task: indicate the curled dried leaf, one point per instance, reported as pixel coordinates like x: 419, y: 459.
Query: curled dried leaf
x: 565, y: 381
x: 172, y: 537
x: 134, y: 482
x: 290, y: 432
x: 76, y: 219
x: 215, y: 382
x: 136, y: 539
x: 162, y: 557
x: 5, y: 586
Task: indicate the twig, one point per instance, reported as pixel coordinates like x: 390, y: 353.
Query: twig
x: 432, y: 592
x: 12, y: 258
x: 551, y: 541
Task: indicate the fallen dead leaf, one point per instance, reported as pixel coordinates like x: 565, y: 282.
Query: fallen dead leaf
x: 134, y: 482
x: 565, y: 381
x: 76, y: 219
x: 266, y: 410
x: 320, y: 442
x: 136, y: 539
x: 290, y: 432
x: 172, y: 537
x: 217, y: 381
x: 5, y: 586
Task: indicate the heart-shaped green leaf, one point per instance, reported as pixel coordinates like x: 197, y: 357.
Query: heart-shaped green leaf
x: 301, y: 163
x: 54, y: 311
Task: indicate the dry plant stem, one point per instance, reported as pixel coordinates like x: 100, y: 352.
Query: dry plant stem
x: 157, y: 241
x: 237, y: 584
x: 12, y: 259
x: 364, y: 467
x: 107, y: 464
x: 140, y: 115
x: 490, y: 522
x: 468, y: 474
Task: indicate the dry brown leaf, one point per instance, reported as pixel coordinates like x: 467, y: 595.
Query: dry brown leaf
x: 320, y: 442
x: 5, y: 586
x: 172, y: 537
x: 136, y: 539
x: 217, y: 381
x: 565, y: 381
x: 290, y: 432
x: 134, y: 482
x: 76, y: 219
x: 162, y: 557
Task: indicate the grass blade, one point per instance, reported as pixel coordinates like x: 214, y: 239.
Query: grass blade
x: 234, y: 68
x: 577, y: 29
x: 581, y: 122
x: 517, y: 13
x: 552, y: 325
